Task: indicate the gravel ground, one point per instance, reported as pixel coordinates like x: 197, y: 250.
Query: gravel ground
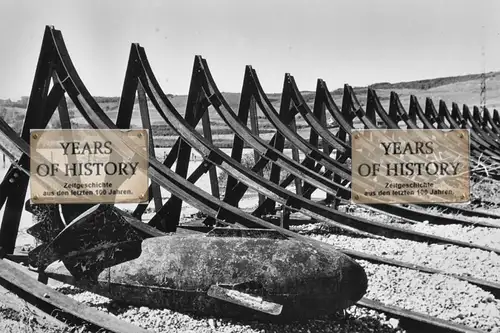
x: 462, y: 232
x: 436, y: 295
x: 355, y: 319
x: 445, y: 297
x: 477, y: 235
x: 454, y: 259
x: 494, y: 221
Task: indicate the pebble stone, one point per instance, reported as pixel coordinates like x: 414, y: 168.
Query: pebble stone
x: 440, y: 296
x: 354, y: 319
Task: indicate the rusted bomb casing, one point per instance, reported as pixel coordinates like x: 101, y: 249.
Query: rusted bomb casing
x: 176, y: 272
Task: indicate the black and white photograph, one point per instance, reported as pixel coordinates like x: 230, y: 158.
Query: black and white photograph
x: 250, y: 166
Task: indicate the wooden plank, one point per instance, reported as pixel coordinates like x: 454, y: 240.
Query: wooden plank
x: 15, y: 280
x: 244, y: 299
x: 11, y: 301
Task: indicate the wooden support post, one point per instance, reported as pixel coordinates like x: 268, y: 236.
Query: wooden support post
x: 156, y: 221
x: 43, y: 278
x: 318, y: 109
x: 496, y: 117
x: 238, y: 144
x: 320, y: 114
x: 247, y: 108
x: 254, y: 124
x: 279, y: 143
x: 207, y: 133
x: 64, y: 114
x: 393, y: 110
x: 412, y: 112
x: 285, y: 218
x: 428, y: 113
x: 146, y: 123
x: 341, y: 134
x: 327, y: 149
x: 194, y: 109
x: 370, y: 108
x: 295, y: 157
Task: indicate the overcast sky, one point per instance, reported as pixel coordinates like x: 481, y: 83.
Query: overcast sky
x: 348, y: 41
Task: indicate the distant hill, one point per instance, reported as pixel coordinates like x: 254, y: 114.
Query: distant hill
x: 431, y: 83
x: 464, y: 89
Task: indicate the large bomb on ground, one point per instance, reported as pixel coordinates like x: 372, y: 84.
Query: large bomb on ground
x: 269, y: 278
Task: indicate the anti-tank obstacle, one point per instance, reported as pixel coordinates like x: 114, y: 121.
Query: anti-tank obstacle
x: 103, y: 236
x: 203, y: 93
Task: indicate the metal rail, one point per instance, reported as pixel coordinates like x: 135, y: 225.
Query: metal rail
x: 55, y: 304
